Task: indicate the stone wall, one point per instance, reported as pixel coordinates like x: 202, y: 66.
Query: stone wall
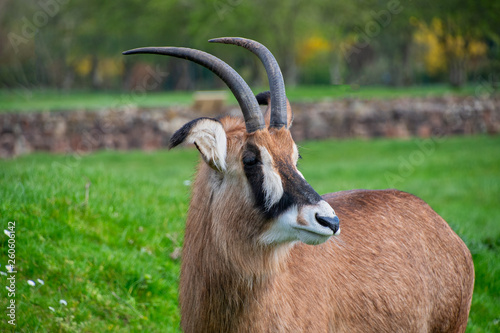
x: 148, y: 129
x: 400, y: 118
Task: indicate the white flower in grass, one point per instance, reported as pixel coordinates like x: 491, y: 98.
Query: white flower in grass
x: 187, y: 182
x: 3, y: 273
x: 10, y: 268
x: 31, y: 283
x: 52, y: 309
x: 40, y: 281
x: 7, y: 288
x: 7, y: 232
x: 63, y: 302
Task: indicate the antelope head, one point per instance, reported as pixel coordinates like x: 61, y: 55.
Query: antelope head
x: 249, y: 186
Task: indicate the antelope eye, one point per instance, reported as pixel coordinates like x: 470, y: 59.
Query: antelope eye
x: 249, y: 158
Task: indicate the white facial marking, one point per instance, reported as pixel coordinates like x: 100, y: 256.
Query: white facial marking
x: 322, y: 208
x: 295, y: 155
x: 211, y: 140
x: 272, y: 186
x: 281, y: 230
x: 287, y: 228
x: 300, y: 173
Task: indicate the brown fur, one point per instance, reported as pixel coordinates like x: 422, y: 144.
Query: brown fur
x: 396, y: 267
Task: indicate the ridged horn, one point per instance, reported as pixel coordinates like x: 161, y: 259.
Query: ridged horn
x: 276, y: 83
x: 240, y: 89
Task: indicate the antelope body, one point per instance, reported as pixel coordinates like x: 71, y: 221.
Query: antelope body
x: 263, y: 252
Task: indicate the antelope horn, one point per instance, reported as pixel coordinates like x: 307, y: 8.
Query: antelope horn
x: 251, y: 111
x: 276, y: 83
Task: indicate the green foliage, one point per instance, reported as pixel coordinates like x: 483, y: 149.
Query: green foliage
x: 43, y: 43
x: 99, y: 229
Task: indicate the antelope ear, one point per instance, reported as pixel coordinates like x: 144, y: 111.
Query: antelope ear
x: 264, y: 98
x: 208, y: 136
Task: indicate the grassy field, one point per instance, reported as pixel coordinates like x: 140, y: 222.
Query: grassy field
x: 43, y: 100
x: 101, y: 231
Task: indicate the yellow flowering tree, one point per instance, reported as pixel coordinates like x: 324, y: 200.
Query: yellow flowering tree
x: 446, y: 49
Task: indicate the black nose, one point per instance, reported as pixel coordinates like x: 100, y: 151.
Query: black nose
x: 329, y: 222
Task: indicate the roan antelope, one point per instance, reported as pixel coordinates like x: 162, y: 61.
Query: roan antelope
x: 262, y: 250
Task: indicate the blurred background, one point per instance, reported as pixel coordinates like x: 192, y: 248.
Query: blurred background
x: 385, y: 93
x: 74, y: 44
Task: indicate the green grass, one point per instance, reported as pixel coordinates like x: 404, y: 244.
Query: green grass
x: 315, y: 93
x: 109, y: 256
x: 43, y: 100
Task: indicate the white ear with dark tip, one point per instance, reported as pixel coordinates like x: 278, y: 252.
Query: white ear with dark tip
x: 209, y: 137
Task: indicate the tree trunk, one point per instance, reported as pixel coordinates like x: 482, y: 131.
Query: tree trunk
x: 335, y: 68
x: 184, y: 82
x: 407, y: 67
x: 457, y: 72
x: 94, y: 73
x: 290, y: 73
